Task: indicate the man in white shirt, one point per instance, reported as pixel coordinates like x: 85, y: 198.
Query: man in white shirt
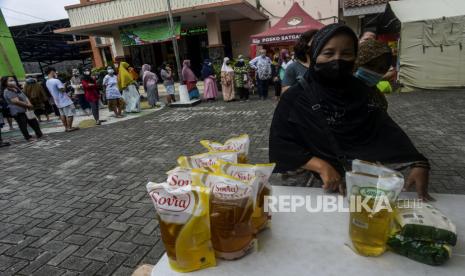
x: 262, y: 66
x: 62, y: 100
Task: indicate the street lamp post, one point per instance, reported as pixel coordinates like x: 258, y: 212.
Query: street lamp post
x: 175, y: 42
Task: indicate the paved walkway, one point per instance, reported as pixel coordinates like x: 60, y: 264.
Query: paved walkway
x: 75, y: 203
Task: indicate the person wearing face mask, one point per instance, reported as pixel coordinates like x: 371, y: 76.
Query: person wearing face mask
x: 113, y: 95
x: 299, y: 67
x: 241, y: 78
x: 209, y: 79
x: 76, y: 84
x: 166, y: 74
x: 62, y: 101
x: 262, y: 65
x: 373, y: 61
x: 327, y: 121
x: 19, y: 106
x: 227, y: 81
x: 92, y: 94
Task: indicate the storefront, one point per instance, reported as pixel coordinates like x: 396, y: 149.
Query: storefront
x: 140, y: 32
x: 193, y: 45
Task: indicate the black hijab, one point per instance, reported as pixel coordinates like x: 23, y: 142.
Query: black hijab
x: 207, y: 69
x: 361, y: 131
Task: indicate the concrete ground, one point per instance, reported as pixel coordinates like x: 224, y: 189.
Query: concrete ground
x: 75, y: 203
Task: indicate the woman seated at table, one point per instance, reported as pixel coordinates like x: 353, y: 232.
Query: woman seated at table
x: 326, y: 120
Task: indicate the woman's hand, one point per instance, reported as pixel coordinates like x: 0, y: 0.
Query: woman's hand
x: 420, y: 178
x: 331, y: 178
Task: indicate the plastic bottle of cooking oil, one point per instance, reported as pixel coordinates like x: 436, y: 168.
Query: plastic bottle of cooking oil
x: 369, y: 229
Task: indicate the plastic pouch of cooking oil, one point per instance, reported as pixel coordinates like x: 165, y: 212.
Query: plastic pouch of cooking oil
x: 180, y: 177
x: 206, y: 160
x: 231, y: 208
x: 245, y: 172
x: 372, y: 191
x: 184, y: 219
x: 240, y: 144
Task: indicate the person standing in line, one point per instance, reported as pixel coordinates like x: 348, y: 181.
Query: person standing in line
x: 127, y: 84
x: 92, y: 94
x: 275, y: 70
x: 166, y: 74
x: 5, y: 111
x: 209, y: 81
x: 2, y: 102
x: 262, y: 66
x: 190, y: 80
x: 227, y: 81
x: 241, y: 78
x: 284, y: 62
x: 62, y: 101
x: 37, y: 96
x: 20, y: 107
x: 76, y: 84
x: 50, y: 105
x: 150, y: 80
x: 300, y: 66
x: 2, y: 143
x: 113, y: 95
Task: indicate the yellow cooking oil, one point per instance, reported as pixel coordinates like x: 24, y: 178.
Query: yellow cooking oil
x: 369, y: 229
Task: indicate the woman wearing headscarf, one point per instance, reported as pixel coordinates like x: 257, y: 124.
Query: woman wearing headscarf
x: 92, y: 94
x: 209, y: 80
x: 76, y: 84
x: 113, y: 95
x: 37, y: 96
x: 150, y: 80
x: 241, y: 78
x: 327, y: 120
x: 166, y: 74
x: 190, y: 80
x: 227, y: 80
x: 373, y: 61
x: 126, y: 83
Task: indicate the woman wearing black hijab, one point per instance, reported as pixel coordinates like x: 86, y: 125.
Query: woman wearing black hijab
x: 326, y: 120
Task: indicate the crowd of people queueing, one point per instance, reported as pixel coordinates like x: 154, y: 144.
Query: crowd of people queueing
x: 27, y: 103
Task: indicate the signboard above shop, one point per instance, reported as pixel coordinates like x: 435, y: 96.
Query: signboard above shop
x: 149, y: 32
x: 289, y: 28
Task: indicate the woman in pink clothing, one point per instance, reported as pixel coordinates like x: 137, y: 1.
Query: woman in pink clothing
x: 209, y: 81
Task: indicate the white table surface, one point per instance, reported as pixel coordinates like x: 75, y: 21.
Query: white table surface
x: 304, y: 243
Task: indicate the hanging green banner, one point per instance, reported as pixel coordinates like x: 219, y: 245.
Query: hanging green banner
x: 149, y: 32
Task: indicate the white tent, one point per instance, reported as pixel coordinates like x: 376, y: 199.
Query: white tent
x: 432, y: 43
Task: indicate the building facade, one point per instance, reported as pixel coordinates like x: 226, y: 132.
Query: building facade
x: 362, y: 15
x: 138, y: 29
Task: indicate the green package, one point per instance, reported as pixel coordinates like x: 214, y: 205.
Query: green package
x: 423, y: 222
x: 422, y: 251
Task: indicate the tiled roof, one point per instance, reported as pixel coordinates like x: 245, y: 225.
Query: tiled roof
x: 362, y: 3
